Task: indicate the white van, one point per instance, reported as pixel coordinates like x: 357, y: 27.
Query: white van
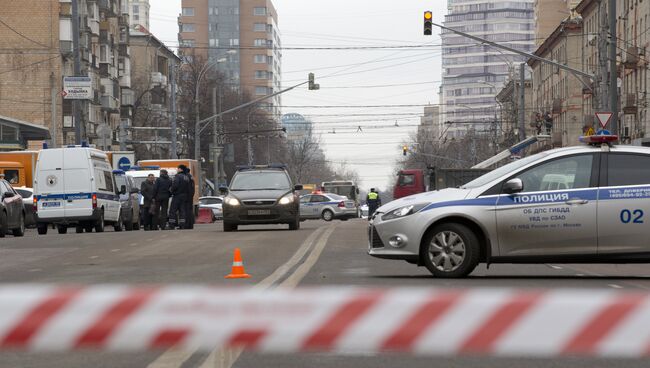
x: 74, y: 186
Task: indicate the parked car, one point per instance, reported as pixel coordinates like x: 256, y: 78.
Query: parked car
x: 129, y: 202
x: 12, y: 212
x: 28, y: 205
x: 214, y: 203
x: 327, y: 206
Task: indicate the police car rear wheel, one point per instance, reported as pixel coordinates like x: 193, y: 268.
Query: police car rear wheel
x: 99, y: 225
x: 451, y: 250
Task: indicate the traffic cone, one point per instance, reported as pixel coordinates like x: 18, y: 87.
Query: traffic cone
x: 237, y: 267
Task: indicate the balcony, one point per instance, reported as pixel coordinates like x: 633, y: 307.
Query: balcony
x: 557, y: 106
x: 125, y: 81
x: 108, y: 7
x: 128, y: 97
x: 158, y: 79
x: 631, y: 58
x: 110, y: 103
x: 629, y: 104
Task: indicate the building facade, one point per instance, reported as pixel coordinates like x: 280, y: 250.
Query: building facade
x: 550, y: 13
x: 557, y: 92
x: 39, y: 54
x: 430, y: 123
x: 297, y: 127
x: 139, y: 12
x: 472, y: 73
x: 241, y: 38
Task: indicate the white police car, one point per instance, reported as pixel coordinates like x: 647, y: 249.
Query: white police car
x: 584, y: 204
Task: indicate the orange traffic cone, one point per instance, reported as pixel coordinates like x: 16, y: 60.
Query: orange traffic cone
x: 237, y: 267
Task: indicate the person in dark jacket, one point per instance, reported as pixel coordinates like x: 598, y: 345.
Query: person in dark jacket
x: 180, y: 191
x: 189, y: 209
x: 163, y: 187
x: 148, y: 191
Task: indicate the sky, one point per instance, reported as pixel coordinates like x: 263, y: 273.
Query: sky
x: 354, y: 112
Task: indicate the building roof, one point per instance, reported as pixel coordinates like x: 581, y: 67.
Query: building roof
x: 570, y: 25
x: 584, y: 5
x: 141, y: 32
x: 28, y: 131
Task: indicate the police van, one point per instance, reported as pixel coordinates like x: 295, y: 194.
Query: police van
x: 581, y: 204
x: 74, y: 187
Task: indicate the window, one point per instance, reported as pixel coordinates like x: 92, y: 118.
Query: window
x: 212, y: 27
x: 213, y: 11
x: 188, y: 43
x: 136, y: 17
x: 406, y: 179
x: 260, y: 59
x: 214, y: 42
x: 136, y: 8
x: 260, y: 91
x: 318, y: 199
x: 234, y: 42
x: 260, y: 74
x: 260, y: 42
x: 628, y: 169
x: 260, y: 27
x: 188, y: 12
x: 189, y: 27
x: 259, y: 11
x: 565, y: 173
x: 305, y: 199
x: 12, y: 176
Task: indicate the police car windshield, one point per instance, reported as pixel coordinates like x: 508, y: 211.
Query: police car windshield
x: 501, y: 171
x: 260, y: 180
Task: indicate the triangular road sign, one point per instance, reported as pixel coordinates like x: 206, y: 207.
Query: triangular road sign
x: 604, y: 118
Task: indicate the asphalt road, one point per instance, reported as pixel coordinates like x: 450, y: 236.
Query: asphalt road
x: 317, y: 255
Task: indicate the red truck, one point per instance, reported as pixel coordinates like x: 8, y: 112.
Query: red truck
x: 413, y: 181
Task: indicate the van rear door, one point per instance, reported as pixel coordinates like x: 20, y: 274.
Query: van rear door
x: 50, y: 184
x: 77, y: 177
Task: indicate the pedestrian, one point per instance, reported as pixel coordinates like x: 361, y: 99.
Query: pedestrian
x: 180, y: 191
x: 163, y: 187
x: 189, y: 204
x: 148, y: 192
x: 373, y: 201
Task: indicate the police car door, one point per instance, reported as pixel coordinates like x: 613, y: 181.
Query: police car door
x: 624, y: 204
x: 555, y: 213
x: 305, y: 207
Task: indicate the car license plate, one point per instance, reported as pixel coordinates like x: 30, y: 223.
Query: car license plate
x: 258, y: 212
x: 52, y: 204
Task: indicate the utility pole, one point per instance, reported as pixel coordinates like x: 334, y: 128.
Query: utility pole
x: 613, y: 74
x: 172, y: 76
x: 54, y: 94
x: 76, y: 109
x: 602, y: 101
x: 522, y: 101
x: 215, y: 140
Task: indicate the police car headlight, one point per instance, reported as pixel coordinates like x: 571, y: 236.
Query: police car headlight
x: 286, y: 199
x: 403, y: 211
x: 232, y: 201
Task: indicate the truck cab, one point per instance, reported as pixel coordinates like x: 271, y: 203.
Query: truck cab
x: 409, y: 182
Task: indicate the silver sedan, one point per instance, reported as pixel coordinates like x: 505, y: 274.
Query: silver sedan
x: 585, y: 204
x: 327, y: 206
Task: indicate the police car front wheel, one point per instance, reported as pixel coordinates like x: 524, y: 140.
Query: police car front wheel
x: 450, y: 251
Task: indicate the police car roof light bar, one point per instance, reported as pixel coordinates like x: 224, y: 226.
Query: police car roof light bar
x: 599, y: 139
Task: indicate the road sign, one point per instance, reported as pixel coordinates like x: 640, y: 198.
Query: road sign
x: 77, y: 88
x: 124, y: 163
x: 604, y: 118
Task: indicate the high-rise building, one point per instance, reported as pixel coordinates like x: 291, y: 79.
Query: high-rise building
x: 139, y: 10
x: 297, y: 127
x: 242, y: 39
x: 472, y: 72
x: 549, y: 14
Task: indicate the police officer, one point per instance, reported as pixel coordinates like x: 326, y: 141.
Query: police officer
x: 163, y: 187
x: 373, y: 201
x: 189, y: 204
x: 148, y: 191
x: 180, y: 191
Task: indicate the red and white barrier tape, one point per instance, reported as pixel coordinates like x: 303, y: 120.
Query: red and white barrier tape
x: 344, y: 320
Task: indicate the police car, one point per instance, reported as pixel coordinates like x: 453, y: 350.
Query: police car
x: 583, y: 204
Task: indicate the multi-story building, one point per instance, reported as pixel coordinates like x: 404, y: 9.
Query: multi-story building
x: 39, y: 54
x: 557, y: 92
x: 298, y: 128
x: 473, y: 73
x: 430, y: 123
x: 151, y: 79
x: 242, y: 40
x: 139, y: 12
x: 550, y: 13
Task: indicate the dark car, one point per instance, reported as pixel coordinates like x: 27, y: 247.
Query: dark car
x: 12, y: 213
x: 261, y: 195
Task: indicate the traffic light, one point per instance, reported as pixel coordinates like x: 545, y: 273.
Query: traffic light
x: 312, y: 85
x: 405, y: 150
x: 428, y: 26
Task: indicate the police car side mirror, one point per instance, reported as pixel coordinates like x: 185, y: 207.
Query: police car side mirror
x: 298, y: 187
x: 7, y: 195
x: 513, y: 186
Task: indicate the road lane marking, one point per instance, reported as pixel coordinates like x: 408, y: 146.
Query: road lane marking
x: 554, y: 267
x: 93, y: 257
x: 35, y: 270
x: 133, y: 244
x: 304, y: 268
x: 115, y: 250
x: 225, y: 358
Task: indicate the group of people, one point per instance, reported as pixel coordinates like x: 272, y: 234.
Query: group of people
x: 156, y: 193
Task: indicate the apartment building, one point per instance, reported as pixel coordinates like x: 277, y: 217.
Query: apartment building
x: 472, y: 73
x: 139, y: 13
x: 430, y: 123
x: 557, y: 92
x: 550, y: 13
x: 38, y: 53
x: 242, y: 40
